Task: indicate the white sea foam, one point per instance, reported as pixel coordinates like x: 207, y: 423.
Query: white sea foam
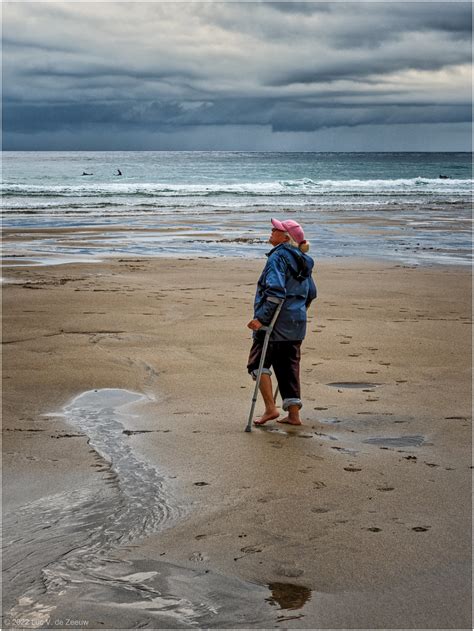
x: 304, y: 186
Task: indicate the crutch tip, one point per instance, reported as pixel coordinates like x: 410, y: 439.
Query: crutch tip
x: 248, y: 428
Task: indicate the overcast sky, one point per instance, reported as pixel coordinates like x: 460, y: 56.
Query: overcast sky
x: 313, y: 76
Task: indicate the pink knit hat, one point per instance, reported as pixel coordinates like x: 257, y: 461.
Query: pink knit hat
x: 291, y: 227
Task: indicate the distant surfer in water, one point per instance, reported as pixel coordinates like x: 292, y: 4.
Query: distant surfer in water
x: 84, y: 173
x: 119, y: 172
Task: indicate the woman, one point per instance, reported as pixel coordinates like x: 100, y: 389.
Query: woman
x: 286, y: 278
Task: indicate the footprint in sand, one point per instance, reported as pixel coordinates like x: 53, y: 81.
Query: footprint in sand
x: 289, y: 571
x: 374, y: 529
x: 266, y: 498
x: 421, y: 528
x: 277, y: 446
x: 351, y: 468
x: 385, y: 488
x: 251, y: 549
x: 198, y: 557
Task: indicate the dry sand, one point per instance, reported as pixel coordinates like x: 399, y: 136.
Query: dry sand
x: 358, y: 519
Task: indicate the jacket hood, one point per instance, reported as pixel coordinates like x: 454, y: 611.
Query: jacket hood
x: 300, y: 263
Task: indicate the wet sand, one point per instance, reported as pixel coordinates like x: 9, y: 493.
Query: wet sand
x: 145, y: 503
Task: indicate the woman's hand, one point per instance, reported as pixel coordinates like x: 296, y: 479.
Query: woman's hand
x: 254, y: 325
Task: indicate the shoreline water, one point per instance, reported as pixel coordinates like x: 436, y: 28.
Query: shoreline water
x: 364, y: 508
x: 220, y: 203
x: 56, y: 245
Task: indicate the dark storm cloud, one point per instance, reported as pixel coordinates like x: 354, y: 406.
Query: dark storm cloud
x: 101, y: 71
x: 286, y: 116
x: 361, y: 68
x: 455, y: 17
x: 305, y: 8
x: 392, y: 16
x: 8, y: 42
x: 155, y: 115
x: 352, y: 24
x: 293, y: 118
x: 289, y: 67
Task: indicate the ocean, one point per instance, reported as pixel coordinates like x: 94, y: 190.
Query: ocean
x: 384, y: 205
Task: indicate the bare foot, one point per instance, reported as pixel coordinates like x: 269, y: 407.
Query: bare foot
x: 288, y: 421
x: 267, y: 416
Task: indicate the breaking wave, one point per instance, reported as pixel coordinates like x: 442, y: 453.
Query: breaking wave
x: 301, y: 187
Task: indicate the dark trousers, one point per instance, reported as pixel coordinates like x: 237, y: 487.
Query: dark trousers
x: 284, y: 358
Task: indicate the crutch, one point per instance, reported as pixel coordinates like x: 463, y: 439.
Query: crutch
x: 268, y: 331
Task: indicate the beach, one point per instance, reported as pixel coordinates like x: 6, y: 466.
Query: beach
x: 165, y: 169
x: 133, y: 497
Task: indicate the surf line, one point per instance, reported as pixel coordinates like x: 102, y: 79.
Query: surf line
x: 143, y: 505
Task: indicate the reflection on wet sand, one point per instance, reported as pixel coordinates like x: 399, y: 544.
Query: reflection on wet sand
x: 288, y: 595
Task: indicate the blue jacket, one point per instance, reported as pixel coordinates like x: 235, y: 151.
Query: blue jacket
x: 286, y: 276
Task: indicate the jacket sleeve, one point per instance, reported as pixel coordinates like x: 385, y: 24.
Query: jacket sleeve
x: 274, y: 290
x: 312, y: 293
